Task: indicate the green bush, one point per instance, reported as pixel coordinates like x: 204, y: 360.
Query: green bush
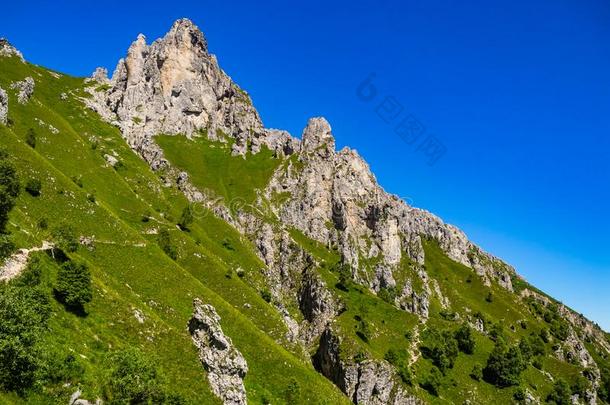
x: 65, y: 238
x: 504, y: 365
x: 165, y: 243
x: 387, y: 294
x: 73, y: 286
x: 477, y: 372
x: 24, y: 314
x: 363, y: 330
x: 519, y: 395
x: 7, y: 247
x: 266, y: 295
x: 133, y: 378
x: 465, y: 339
x: 30, y: 138
x: 561, y: 393
x: 9, y: 188
x: 440, y: 347
x: 186, y: 219
x: 432, y: 382
x: 33, y: 187
x: 293, y: 393
x: 400, y: 360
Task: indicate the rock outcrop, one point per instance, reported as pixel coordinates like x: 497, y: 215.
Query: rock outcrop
x: 175, y: 86
x: 225, y: 365
x: 25, y: 88
x: 367, y: 382
x: 8, y: 50
x: 336, y: 200
x: 3, y: 107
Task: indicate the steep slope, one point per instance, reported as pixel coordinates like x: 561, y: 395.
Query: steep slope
x: 142, y: 298
x: 308, y: 262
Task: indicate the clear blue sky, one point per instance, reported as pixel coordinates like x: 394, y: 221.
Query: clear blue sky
x: 517, y: 91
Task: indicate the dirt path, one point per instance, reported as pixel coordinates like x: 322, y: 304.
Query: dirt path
x: 414, y: 347
x: 15, y: 264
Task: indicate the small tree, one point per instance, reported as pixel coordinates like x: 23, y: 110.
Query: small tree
x: 465, y: 339
x: 9, y: 188
x: 440, y: 347
x: 293, y: 392
x: 73, y: 286
x: 165, y: 243
x: 134, y: 378
x: 504, y: 365
x: 6, y: 246
x: 186, y: 219
x: 477, y: 372
x: 33, y: 187
x: 65, y: 238
x: 561, y: 393
x: 432, y: 382
x: 30, y: 138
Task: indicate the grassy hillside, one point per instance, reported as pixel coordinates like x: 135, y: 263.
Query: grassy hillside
x: 122, y: 210
x: 146, y: 271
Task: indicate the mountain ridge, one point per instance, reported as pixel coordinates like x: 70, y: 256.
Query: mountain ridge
x: 318, y: 210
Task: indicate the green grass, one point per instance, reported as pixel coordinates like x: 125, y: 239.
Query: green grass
x: 129, y: 271
x: 211, y: 166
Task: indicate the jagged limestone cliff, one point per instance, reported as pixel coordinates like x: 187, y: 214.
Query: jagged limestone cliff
x: 308, y: 256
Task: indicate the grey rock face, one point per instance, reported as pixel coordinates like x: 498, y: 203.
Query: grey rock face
x: 25, y: 88
x: 100, y: 75
x: 225, y: 365
x: 317, y: 305
x: 175, y: 86
x: 336, y: 200
x: 8, y: 50
x: 368, y: 382
x: 3, y: 107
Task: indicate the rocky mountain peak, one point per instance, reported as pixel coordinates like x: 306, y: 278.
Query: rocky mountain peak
x: 174, y: 86
x: 7, y: 50
x: 317, y: 137
x: 185, y: 34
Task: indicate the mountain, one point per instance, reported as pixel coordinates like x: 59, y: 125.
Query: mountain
x: 161, y: 245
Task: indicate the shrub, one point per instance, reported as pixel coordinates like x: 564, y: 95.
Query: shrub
x: 30, y: 138
x: 266, y: 295
x: 73, y: 286
x: 133, y: 378
x: 186, y: 219
x: 490, y: 297
x: 293, y: 392
x: 165, y: 243
x: 7, y: 247
x: 440, y: 347
x: 477, y: 372
x: 65, y: 238
x: 560, y: 394
x: 580, y: 386
x: 24, y: 313
x: 537, y: 363
x: 465, y: 339
x: 504, y: 365
x: 33, y: 187
x: 363, y: 330
x: 9, y: 188
x: 43, y: 224
x: 519, y: 395
x: 432, y: 382
x: 345, y: 277
x: 400, y: 360
x: 387, y: 294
